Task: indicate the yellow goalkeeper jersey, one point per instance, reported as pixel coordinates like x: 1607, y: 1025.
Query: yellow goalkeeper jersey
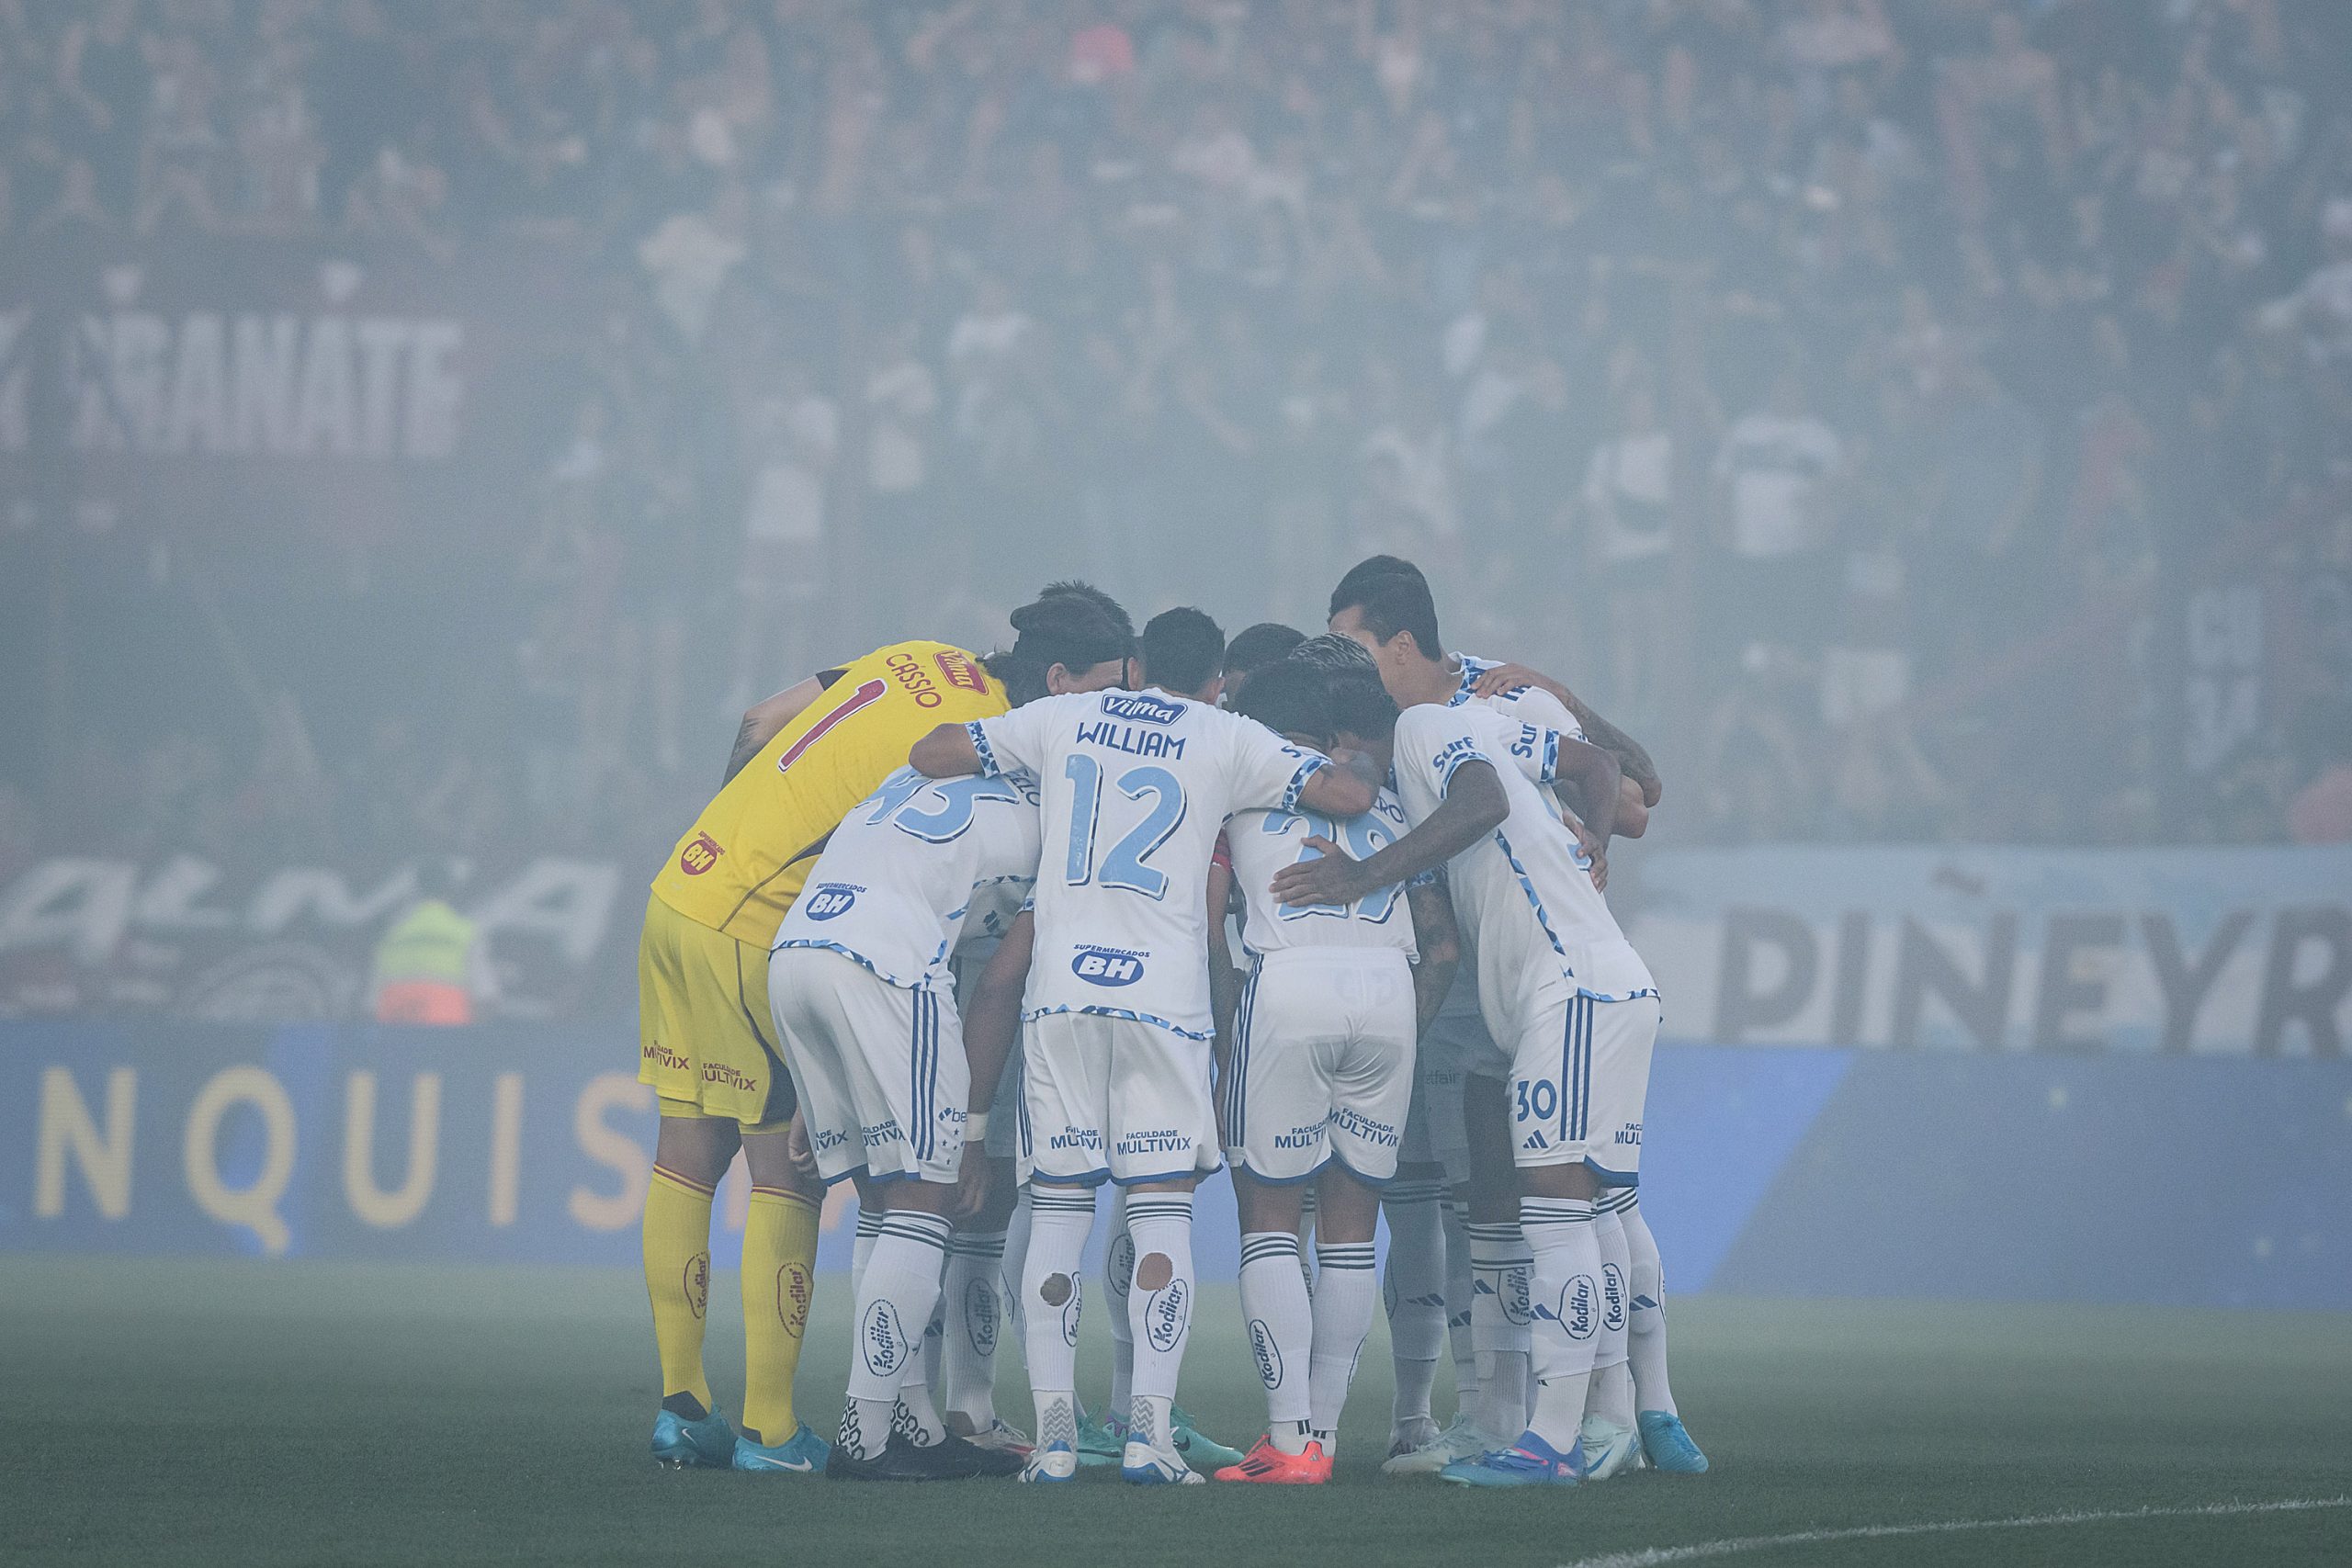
x: 743, y: 861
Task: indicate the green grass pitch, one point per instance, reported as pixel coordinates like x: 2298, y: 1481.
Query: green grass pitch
x: 252, y: 1413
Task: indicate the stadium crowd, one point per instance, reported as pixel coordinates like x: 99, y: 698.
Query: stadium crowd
x: 1905, y: 395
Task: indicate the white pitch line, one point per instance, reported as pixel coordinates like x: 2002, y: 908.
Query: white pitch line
x: 1650, y: 1557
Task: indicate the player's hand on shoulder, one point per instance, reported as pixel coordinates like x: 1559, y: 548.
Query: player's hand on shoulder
x: 1332, y: 877
x: 1512, y: 677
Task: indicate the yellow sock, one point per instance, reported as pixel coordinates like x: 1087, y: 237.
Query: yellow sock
x: 779, y: 1282
x: 677, y: 1276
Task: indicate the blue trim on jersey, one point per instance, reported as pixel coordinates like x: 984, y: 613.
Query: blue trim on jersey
x: 1307, y: 770
x: 989, y: 764
x: 1122, y: 1013
x: 1551, y: 756
x: 1626, y: 1180
x: 818, y: 944
x: 1471, y: 670
x: 1527, y: 886
x: 1453, y: 761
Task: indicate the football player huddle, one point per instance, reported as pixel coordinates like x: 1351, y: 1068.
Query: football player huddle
x: 1004, y: 896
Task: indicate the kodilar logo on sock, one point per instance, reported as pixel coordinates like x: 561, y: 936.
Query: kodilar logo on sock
x: 883, y: 1342
x: 794, y: 1291
x: 1576, y: 1307
x: 1613, y: 1297
x: 698, y: 1284
x: 1167, y: 1312
x: 1123, y: 1264
x: 1269, y: 1356
x: 979, y: 1317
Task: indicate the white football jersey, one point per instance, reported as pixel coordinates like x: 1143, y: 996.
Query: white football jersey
x: 1260, y: 843
x: 1135, y: 787
x: 1523, y: 895
x: 916, y: 869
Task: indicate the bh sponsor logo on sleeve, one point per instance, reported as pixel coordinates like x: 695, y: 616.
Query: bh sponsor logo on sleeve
x: 702, y: 852
x: 1108, y: 965
x: 830, y: 902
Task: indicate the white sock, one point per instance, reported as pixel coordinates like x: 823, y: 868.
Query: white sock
x: 1060, y: 1219
x: 975, y: 1276
x: 1307, y: 1234
x: 1645, y: 1339
x: 899, y: 1288
x: 1118, y: 1274
x: 869, y: 1226
x: 1281, y: 1326
x: 1566, y: 1312
x: 1016, y: 1249
x: 1345, y: 1288
x: 1415, y: 1293
x: 1613, y: 1377
x: 1161, y: 1223
x: 917, y: 1419
x: 1498, y: 1318
x: 1458, y: 1311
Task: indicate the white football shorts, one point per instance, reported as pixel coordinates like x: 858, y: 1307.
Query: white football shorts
x: 1322, y: 1063
x: 880, y: 1068
x: 1114, y: 1098
x: 1581, y: 1075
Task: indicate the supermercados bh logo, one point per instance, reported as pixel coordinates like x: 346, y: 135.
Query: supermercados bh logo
x: 1269, y: 1354
x: 1166, y: 1314
x: 1141, y: 707
x: 1108, y: 965
x: 830, y: 900
x: 702, y: 852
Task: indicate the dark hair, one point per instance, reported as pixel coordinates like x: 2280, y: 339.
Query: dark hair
x: 1181, y: 651
x: 1071, y: 588
x: 1059, y: 628
x: 1332, y: 652
x: 1365, y: 573
x: 1288, y: 699
x: 1254, y: 647
x: 1360, y: 704
x: 1399, y: 603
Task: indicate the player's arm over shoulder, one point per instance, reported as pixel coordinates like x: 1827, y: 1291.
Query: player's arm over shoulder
x: 764, y: 718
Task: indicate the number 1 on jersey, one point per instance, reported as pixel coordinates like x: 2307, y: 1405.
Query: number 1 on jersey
x: 1123, y: 866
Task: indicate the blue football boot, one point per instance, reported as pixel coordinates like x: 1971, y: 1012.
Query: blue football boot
x: 1530, y: 1462
x: 804, y: 1454
x: 1669, y: 1447
x: 705, y: 1443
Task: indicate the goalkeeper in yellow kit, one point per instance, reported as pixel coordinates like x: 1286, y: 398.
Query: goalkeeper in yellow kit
x: 706, y: 1040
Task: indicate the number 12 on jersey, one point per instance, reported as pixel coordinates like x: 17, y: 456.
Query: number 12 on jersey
x: 1124, y: 866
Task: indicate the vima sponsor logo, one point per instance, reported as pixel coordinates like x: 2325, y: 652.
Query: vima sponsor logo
x: 1577, y: 1307
x: 1269, y: 1355
x: 833, y: 900
x: 1142, y: 707
x: 1108, y: 965
x: 1166, y: 1314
